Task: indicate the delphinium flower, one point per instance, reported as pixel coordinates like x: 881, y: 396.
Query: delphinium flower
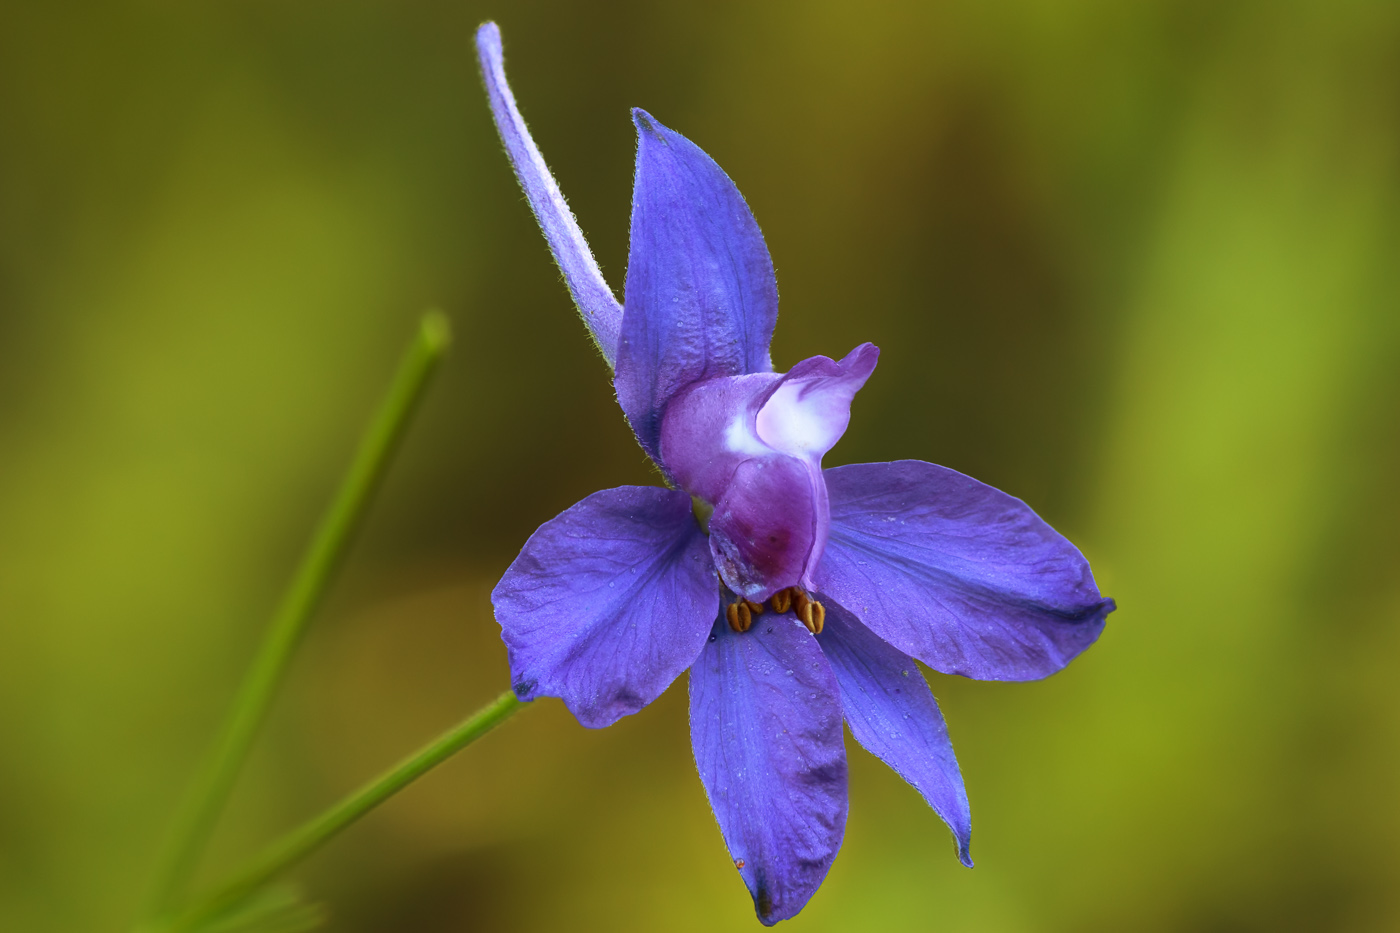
x: 797, y: 597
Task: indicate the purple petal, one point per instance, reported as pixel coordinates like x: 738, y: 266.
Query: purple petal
x: 701, y: 299
x: 765, y: 723
x: 960, y: 575
x: 591, y: 294
x: 892, y: 712
x: 765, y: 530
x: 608, y: 602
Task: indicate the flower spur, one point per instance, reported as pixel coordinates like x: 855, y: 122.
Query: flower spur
x: 797, y: 597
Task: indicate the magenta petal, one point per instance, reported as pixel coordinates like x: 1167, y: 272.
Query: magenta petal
x: 764, y: 531
x: 701, y: 300
x: 960, y: 575
x: 765, y: 724
x: 608, y: 602
x: 892, y: 712
x: 752, y: 446
x: 713, y: 426
x: 595, y: 301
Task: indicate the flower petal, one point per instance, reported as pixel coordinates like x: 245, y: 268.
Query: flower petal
x: 709, y: 430
x: 892, y: 712
x: 701, y: 299
x: 608, y: 602
x: 960, y: 575
x: 752, y: 446
x: 808, y: 411
x: 765, y: 724
x: 768, y: 526
x: 595, y: 301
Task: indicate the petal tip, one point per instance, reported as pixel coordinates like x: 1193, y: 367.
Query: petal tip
x: 763, y: 904
x: 862, y: 360
x: 488, y: 37
x: 647, y: 125
x: 602, y: 715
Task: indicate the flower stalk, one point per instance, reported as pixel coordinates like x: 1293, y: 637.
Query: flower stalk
x: 199, y: 815
x: 301, y: 842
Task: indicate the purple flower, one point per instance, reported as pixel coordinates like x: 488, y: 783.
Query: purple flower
x: 796, y: 596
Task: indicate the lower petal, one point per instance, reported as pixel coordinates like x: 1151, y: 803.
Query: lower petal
x: 960, y: 575
x: 764, y: 531
x: 608, y: 602
x: 892, y: 712
x: 765, y: 724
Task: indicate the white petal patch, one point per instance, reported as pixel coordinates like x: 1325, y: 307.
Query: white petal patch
x: 806, y: 417
x: 740, y: 438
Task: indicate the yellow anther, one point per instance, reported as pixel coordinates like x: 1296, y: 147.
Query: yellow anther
x: 811, y: 612
x: 738, y: 616
x: 755, y: 608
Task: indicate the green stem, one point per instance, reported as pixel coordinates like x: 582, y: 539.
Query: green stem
x: 197, y: 818
x: 300, y: 843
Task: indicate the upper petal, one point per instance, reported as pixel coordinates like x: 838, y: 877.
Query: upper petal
x: 608, y: 602
x: 765, y: 724
x: 892, y: 712
x: 960, y: 575
x: 595, y: 301
x: 806, y: 413
x: 701, y: 300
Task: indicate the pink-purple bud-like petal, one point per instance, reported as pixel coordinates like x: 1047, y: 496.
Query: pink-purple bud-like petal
x: 752, y: 447
x: 808, y: 411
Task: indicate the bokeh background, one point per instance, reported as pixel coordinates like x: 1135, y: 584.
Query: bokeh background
x: 1136, y: 263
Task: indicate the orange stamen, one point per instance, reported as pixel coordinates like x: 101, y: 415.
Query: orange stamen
x: 738, y: 616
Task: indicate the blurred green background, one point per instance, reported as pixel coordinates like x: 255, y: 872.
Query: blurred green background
x: 1136, y: 263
